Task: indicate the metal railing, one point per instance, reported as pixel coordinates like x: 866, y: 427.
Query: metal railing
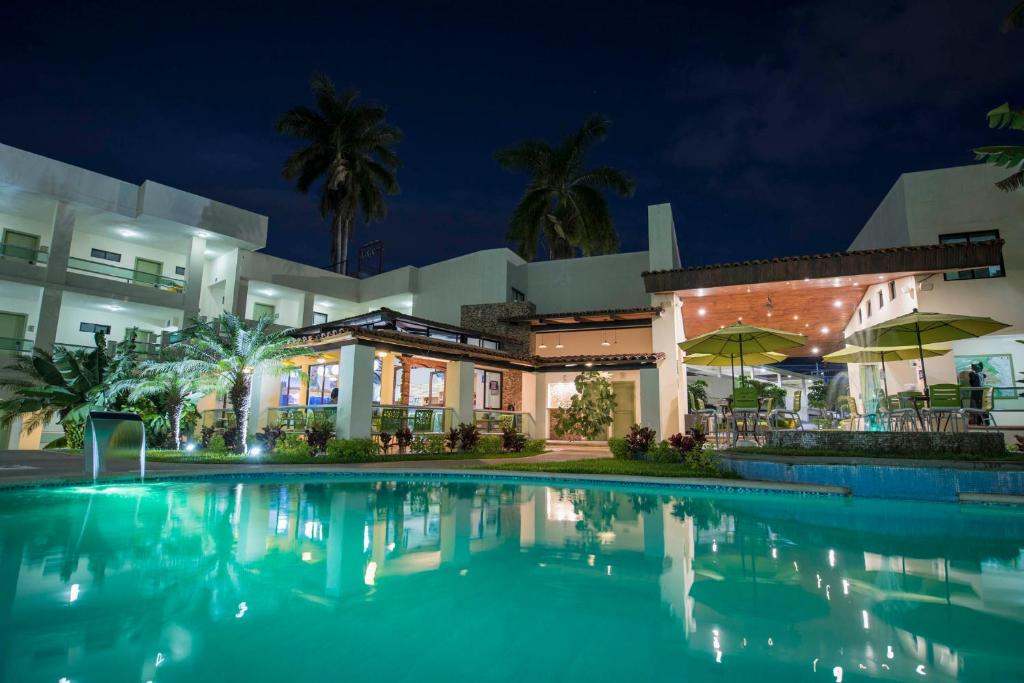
x: 218, y: 418
x: 38, y: 257
x: 497, y: 421
x: 12, y: 345
x: 419, y: 419
x: 132, y: 277
x: 297, y: 418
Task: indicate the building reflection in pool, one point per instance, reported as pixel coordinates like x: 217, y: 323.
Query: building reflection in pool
x: 158, y: 579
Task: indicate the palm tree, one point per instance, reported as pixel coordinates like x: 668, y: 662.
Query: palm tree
x: 65, y: 384
x: 168, y: 389
x: 222, y: 356
x: 564, y: 204
x: 349, y: 148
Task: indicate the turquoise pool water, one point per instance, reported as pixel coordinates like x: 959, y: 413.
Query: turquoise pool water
x: 337, y: 580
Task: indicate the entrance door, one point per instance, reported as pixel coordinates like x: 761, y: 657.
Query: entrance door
x: 12, y: 331
x: 625, y: 408
x: 20, y: 245
x: 148, y: 272
x: 262, y: 311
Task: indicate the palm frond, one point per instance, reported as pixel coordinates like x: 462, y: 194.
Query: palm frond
x: 1001, y: 155
x: 1005, y: 116
x: 1012, y: 182
x: 1014, y: 20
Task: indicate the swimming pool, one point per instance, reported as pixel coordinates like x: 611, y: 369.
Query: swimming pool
x: 499, y: 580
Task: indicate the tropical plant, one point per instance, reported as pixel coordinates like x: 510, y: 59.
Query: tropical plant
x: 512, y: 441
x: 590, y: 410
x: 468, y: 436
x: 65, y: 384
x: 698, y: 390
x: 817, y: 395
x: 319, y: 431
x: 385, y: 441
x: 639, y: 440
x: 564, y: 204
x: 403, y: 437
x: 349, y: 152
x: 451, y: 439
x: 223, y: 355
x: 160, y: 382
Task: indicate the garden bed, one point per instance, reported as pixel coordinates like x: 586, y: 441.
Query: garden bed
x: 963, y: 445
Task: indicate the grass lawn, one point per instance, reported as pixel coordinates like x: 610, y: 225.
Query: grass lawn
x: 1010, y: 456
x: 609, y: 466
x: 227, y: 458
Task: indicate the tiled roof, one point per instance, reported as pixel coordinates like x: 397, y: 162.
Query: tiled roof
x: 609, y: 312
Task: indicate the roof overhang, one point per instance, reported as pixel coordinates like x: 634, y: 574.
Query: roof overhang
x: 581, y: 320
x: 932, y: 258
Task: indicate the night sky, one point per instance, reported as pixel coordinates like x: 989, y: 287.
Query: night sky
x: 772, y: 127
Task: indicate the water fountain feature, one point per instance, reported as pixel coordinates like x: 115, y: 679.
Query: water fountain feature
x: 113, y: 434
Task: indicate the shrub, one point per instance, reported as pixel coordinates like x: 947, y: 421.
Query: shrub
x: 468, y: 436
x: 639, y: 440
x: 268, y: 437
x: 403, y: 437
x: 451, y: 439
x: 319, y: 431
x: 512, y: 441
x: 385, y: 441
x: 590, y: 410
x: 229, y: 438
x: 488, y: 445
x: 205, y: 434
x: 619, y: 448
x: 430, y: 444
x: 294, y: 447
x: 534, y: 446
x: 683, y: 443
x: 74, y: 434
x: 704, y: 460
x: 352, y: 450
x: 664, y: 452
x: 216, y: 443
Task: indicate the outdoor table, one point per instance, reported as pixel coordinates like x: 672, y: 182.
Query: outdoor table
x: 919, y: 402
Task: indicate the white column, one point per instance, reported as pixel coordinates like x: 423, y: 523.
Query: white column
x: 541, y: 401
x: 194, y: 264
x: 530, y: 406
x: 355, y: 391
x: 387, y: 379
x: 266, y: 387
x: 307, y: 309
x: 458, y: 390
x: 49, y: 312
x: 60, y: 243
x: 345, y: 569
x: 650, y: 401
x: 666, y: 333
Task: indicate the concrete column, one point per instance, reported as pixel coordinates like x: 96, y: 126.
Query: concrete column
x: 458, y: 390
x: 541, y: 401
x: 307, y: 309
x: 194, y: 263
x: 345, y: 569
x: 49, y: 313
x: 666, y: 333
x: 650, y: 401
x: 530, y: 406
x: 266, y: 387
x: 455, y: 528
x: 387, y: 379
x: 241, y: 298
x: 355, y: 391
x: 254, y: 513
x: 403, y: 393
x: 60, y: 243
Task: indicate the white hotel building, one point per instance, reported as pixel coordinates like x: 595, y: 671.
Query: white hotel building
x: 486, y: 332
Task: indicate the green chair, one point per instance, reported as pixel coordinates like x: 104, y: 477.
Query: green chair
x: 984, y: 414
x: 707, y: 418
x: 853, y: 416
x: 916, y: 407
x: 422, y: 421
x: 506, y: 421
x: 745, y: 411
x: 391, y: 419
x: 945, y: 411
x: 781, y: 419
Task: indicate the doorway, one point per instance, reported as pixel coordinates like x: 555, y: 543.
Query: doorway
x: 625, y: 408
x: 12, y: 331
x: 148, y: 272
x: 263, y: 311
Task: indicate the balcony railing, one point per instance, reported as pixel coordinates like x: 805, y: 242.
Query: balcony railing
x: 497, y: 421
x: 36, y: 256
x: 419, y: 419
x: 218, y: 418
x: 132, y: 277
x: 297, y: 418
x: 11, y: 345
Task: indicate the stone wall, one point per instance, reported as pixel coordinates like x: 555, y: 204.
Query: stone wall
x: 512, y: 390
x: 489, y: 319
x: 895, y: 443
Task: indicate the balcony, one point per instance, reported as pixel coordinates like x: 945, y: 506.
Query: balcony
x: 132, y: 277
x: 38, y: 257
x: 9, y: 345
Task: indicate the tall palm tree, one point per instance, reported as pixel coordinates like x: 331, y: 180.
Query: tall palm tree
x: 167, y: 388
x: 349, y: 149
x: 222, y: 356
x: 564, y: 204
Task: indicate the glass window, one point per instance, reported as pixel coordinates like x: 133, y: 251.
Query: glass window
x: 979, y: 237
x: 319, y: 318
x: 869, y: 307
x: 860, y: 314
x: 291, y: 388
x: 487, y: 390
x: 426, y: 386
x: 93, y: 328
x: 378, y: 373
x: 881, y: 300
x: 105, y: 255
x: 323, y: 379
x: 892, y: 291
x: 179, y: 270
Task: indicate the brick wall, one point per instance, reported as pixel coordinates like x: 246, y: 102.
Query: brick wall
x: 512, y: 389
x: 896, y: 443
x: 489, y: 319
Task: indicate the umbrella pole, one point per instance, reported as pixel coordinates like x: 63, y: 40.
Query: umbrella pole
x: 732, y: 372
x: 920, y: 353
x: 741, y: 355
x: 885, y: 380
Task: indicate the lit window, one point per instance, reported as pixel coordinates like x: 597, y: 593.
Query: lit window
x: 892, y: 291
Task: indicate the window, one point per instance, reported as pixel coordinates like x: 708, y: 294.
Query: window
x: 517, y: 295
x: 319, y: 318
x: 105, y: 255
x: 860, y: 314
x: 93, y: 328
x: 881, y: 300
x: 869, y: 307
x: 291, y: 388
x: 179, y: 270
x: 892, y: 291
x: 323, y: 380
x: 487, y: 390
x: 979, y: 237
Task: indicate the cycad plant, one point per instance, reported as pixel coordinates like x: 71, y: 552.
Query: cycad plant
x: 349, y: 151
x: 65, y: 384
x: 160, y: 383
x: 223, y: 355
x: 564, y: 205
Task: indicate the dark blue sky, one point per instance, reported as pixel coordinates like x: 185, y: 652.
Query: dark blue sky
x: 772, y: 127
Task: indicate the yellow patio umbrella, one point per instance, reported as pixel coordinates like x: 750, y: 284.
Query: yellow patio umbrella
x: 716, y: 360
x: 880, y: 354
x: 918, y: 329
x: 732, y: 340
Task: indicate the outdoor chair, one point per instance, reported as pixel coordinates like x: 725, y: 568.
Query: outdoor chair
x: 706, y: 418
x: 853, y: 416
x: 899, y: 419
x: 945, y: 412
x: 391, y: 420
x: 745, y: 410
x: 911, y: 401
x: 423, y: 421
x: 986, y: 419
x: 781, y: 419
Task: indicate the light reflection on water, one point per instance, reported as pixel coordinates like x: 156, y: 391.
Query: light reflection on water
x: 395, y: 581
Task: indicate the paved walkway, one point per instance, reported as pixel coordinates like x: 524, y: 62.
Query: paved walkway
x: 19, y: 467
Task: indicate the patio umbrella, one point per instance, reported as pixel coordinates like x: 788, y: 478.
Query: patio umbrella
x: 918, y: 329
x: 736, y: 338
x: 714, y: 360
x: 880, y: 354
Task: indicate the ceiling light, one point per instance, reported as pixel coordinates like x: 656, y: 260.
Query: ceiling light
x: 815, y: 350
x: 540, y: 342
x: 268, y: 292
x: 837, y: 303
x: 127, y: 232
x: 558, y: 342
x: 589, y: 364
x: 796, y: 317
x: 769, y: 314
x: 112, y: 307
x: 606, y: 342
x: 702, y: 311
x: 202, y: 234
x: 824, y: 329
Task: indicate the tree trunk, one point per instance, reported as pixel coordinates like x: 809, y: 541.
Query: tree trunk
x: 175, y: 411
x: 241, y: 397
x: 341, y: 232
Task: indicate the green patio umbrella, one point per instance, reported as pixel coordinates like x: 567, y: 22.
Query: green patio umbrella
x: 733, y: 339
x: 880, y: 354
x: 918, y: 329
x: 714, y: 360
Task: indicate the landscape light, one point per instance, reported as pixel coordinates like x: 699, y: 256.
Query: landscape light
x: 255, y: 450
x: 189, y: 447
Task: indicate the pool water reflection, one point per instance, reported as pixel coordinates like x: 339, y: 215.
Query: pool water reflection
x: 387, y: 581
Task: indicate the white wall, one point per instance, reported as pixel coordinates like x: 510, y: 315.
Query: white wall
x: 32, y: 225
x: 588, y: 342
x: 477, y: 278
x: 82, y: 243
x: 23, y: 299
x: 145, y: 318
x: 585, y: 284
